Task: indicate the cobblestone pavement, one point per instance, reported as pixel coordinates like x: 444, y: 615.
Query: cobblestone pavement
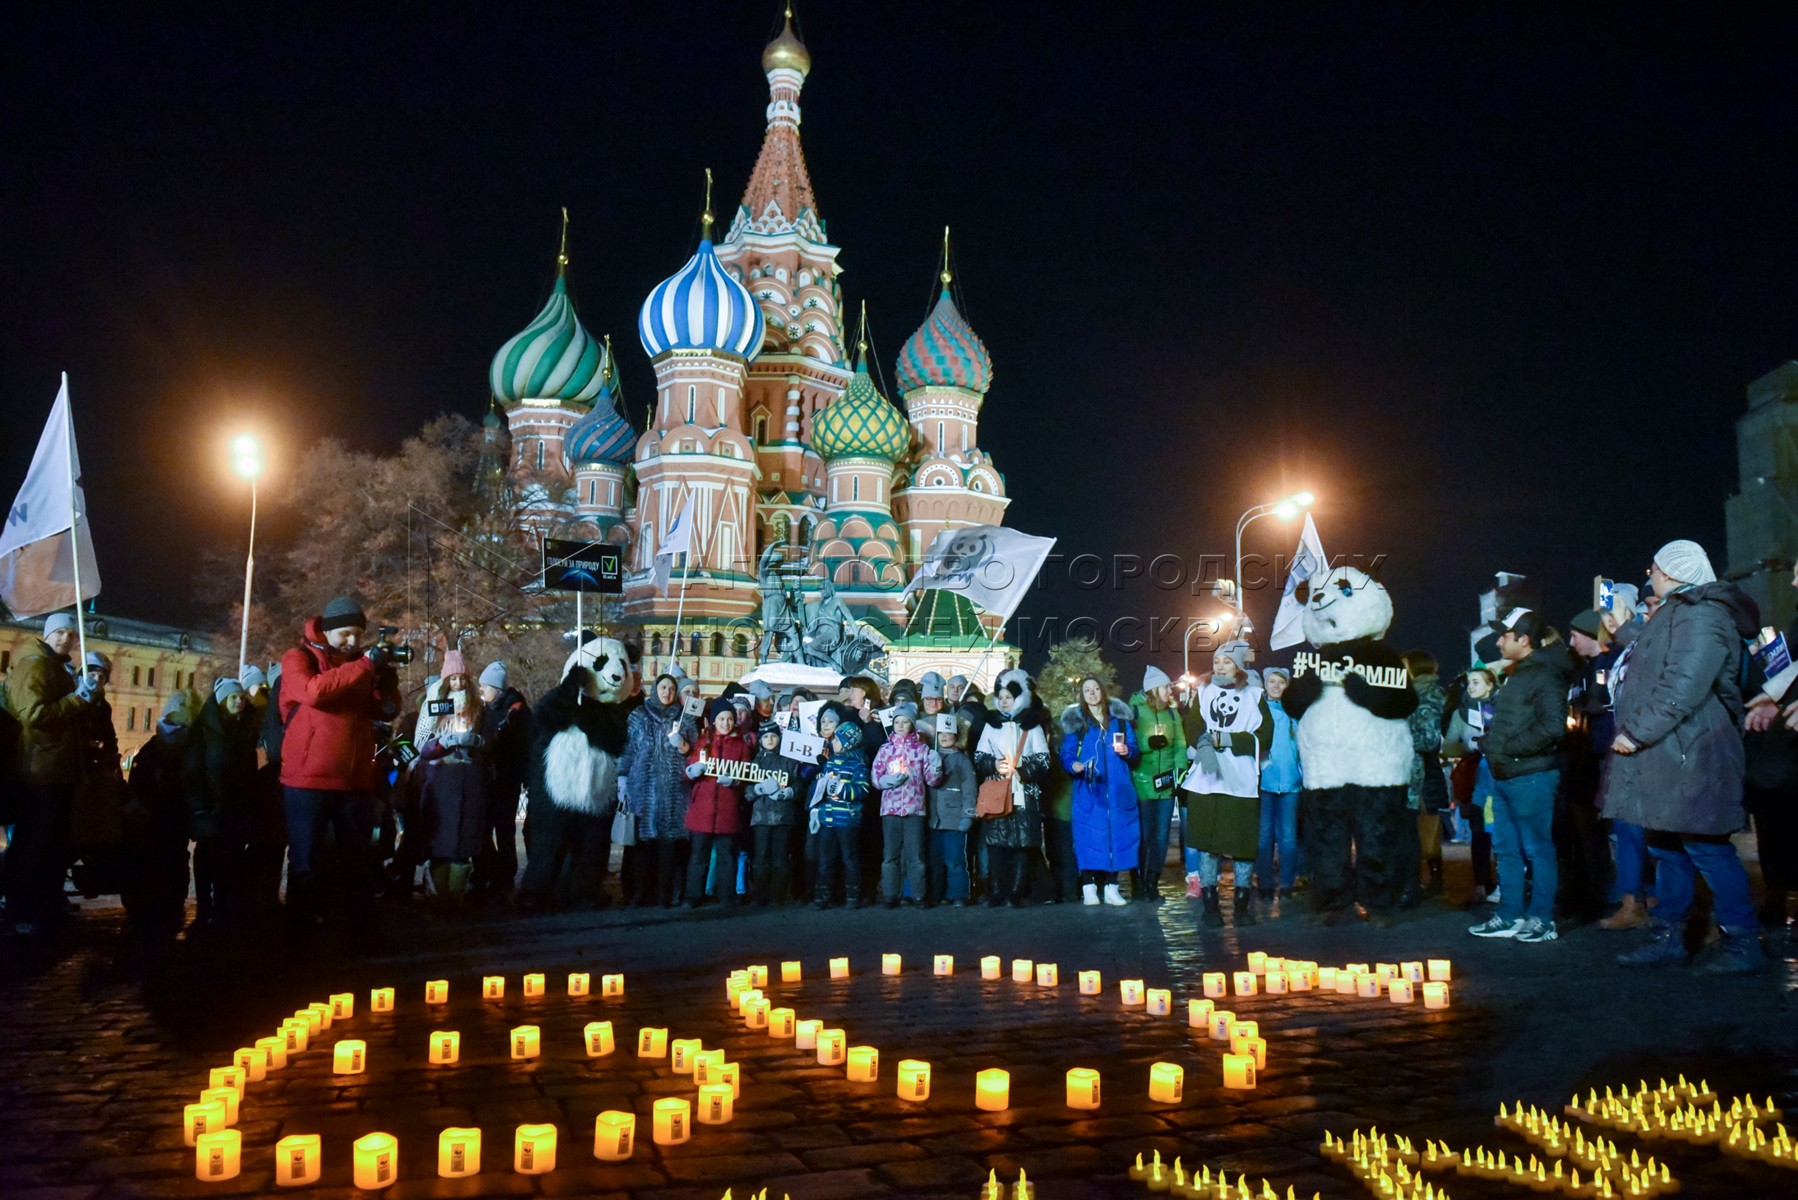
x: 98, y: 1064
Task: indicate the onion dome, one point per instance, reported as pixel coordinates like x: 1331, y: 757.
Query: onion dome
x: 861, y: 423
x: 944, y: 352
x: 602, y: 436
x: 553, y: 358
x: 787, y: 51
x: 701, y: 306
x: 493, y: 420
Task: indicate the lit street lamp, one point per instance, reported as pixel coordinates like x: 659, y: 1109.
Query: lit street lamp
x: 246, y: 460
x: 1285, y: 509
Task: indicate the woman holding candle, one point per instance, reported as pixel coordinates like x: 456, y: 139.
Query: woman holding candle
x: 774, y: 817
x: 1161, y: 744
x: 835, y: 813
x: 1013, y: 749
x: 1098, y: 747
x: 714, y: 813
x: 453, y: 770
x: 655, y: 793
x: 901, y: 769
x: 1232, y: 731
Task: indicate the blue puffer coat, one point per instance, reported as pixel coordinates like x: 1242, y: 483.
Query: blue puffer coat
x: 1106, y: 825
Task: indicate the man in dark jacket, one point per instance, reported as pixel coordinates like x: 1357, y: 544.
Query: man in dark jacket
x: 1529, y: 719
x: 506, y: 731
x: 221, y: 793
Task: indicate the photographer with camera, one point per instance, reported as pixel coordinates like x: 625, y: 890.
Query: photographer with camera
x: 332, y: 693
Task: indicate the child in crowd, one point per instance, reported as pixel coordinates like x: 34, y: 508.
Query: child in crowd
x: 900, y: 772
x: 836, y: 816
x: 951, y: 799
x: 714, y: 815
x: 773, y: 817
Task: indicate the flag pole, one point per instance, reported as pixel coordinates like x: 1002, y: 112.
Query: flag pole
x: 75, y: 532
x: 686, y: 573
x: 988, y: 653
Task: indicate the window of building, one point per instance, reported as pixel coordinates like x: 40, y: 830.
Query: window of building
x: 692, y: 404
x: 592, y: 491
x: 130, y: 720
x: 761, y: 431
x: 698, y: 645
x: 939, y: 437
x: 539, y: 454
x: 855, y: 488
x: 717, y: 645
x: 655, y: 645
x: 137, y: 677
x: 149, y: 721
x: 152, y: 677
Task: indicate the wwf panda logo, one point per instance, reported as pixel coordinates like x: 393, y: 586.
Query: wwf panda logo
x: 961, y: 560
x: 1225, y: 704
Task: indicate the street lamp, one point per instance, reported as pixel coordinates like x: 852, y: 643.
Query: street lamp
x: 246, y: 460
x: 1285, y: 509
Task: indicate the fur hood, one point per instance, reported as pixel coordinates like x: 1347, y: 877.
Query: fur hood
x: 1075, y: 720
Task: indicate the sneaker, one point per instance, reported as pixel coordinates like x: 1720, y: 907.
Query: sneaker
x: 1492, y: 896
x: 1089, y: 895
x: 1535, y: 929
x: 1496, y: 926
x: 1663, y: 947
x: 1194, y: 889
x: 1736, y: 954
x: 1114, y: 897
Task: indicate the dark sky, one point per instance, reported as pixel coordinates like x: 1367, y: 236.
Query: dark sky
x: 1490, y: 279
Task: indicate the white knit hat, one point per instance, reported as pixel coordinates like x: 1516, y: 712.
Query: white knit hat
x: 1685, y: 562
x: 1153, y: 678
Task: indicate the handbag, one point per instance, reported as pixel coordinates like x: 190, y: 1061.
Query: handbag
x: 624, y: 827
x: 993, y: 799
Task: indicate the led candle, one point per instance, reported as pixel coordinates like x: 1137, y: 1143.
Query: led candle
x: 914, y: 1079
x: 1242, y: 1029
x: 1221, y: 1020
x: 1239, y: 1071
x: 1257, y: 962
x: 652, y: 1042
x: 1386, y: 972
x: 493, y: 987
x: 1347, y: 982
x: 458, y: 1152
x: 343, y: 1006
x: 613, y: 1133
x: 839, y: 968
x: 863, y: 1064
x: 380, y: 1000
x: 226, y: 1098
x: 832, y: 1045
x: 534, y: 1149
x: 989, y: 967
x: 1130, y: 992
x: 1357, y: 968
x: 992, y: 1090
x: 1438, y: 970
x: 437, y: 991
x: 726, y: 1073
x: 232, y: 1077
x: 673, y: 1121
x: 275, y: 1048
x: 1367, y: 986
x: 533, y: 985
x: 297, y: 1035
x: 218, y: 1156
x: 1160, y: 1002
x: 943, y: 964
x: 1435, y: 995
x: 611, y: 987
x: 889, y: 964
x: 755, y: 1014
x: 681, y: 1052
x: 527, y: 1042
x: 758, y: 975
x: 1167, y: 1082
x: 252, y: 1061
x: 1083, y: 1088
x: 580, y: 983
x: 446, y: 1047
x: 789, y: 972
x: 1326, y: 978
x: 1302, y: 979
x: 1275, y: 982
x: 805, y: 1034
x: 349, y: 1056
x: 298, y: 1159
x: 1090, y: 983
x: 1274, y: 962
x: 1412, y: 971
x: 1048, y: 975
x: 1022, y: 970
x: 597, y: 1037
x: 734, y: 987
x: 780, y: 1022
x: 317, y: 1017
x: 377, y: 1160
x: 1198, y: 1014
x: 1254, y: 1047
x: 715, y: 1104
x: 1214, y: 985
x: 1246, y: 984
x: 1399, y: 991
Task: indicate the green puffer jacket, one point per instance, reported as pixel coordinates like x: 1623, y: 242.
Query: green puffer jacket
x: 1154, y: 723
x: 40, y: 694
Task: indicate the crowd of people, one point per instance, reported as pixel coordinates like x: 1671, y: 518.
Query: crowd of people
x: 1597, y: 776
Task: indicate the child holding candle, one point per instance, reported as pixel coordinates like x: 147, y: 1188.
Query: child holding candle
x: 714, y: 816
x: 774, y: 816
x: 901, y: 769
x: 951, y: 801
x: 835, y: 811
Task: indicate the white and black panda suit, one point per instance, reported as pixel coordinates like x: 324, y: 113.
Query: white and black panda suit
x: 1354, y: 746
x: 579, y: 736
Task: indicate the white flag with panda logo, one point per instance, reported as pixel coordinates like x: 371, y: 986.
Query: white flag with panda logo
x: 992, y: 566
x: 1308, y: 563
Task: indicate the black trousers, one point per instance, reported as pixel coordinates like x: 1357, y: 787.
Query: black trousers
x: 839, y: 853
x: 771, y: 864
x: 566, y: 852
x: 699, y: 865
x: 1349, y: 834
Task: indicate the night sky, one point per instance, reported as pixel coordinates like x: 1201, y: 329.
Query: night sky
x: 1489, y: 279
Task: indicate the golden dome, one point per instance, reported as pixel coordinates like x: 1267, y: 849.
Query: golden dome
x: 787, y: 51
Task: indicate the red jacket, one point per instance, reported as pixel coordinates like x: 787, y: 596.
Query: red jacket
x: 715, y: 805
x: 329, y: 704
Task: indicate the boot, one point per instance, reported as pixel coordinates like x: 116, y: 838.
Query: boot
x: 459, y: 874
x: 1193, y: 888
x: 1434, y: 887
x: 1214, y: 913
x: 440, y: 880
x: 1662, y: 948
x: 1020, y: 880
x: 1244, y: 913
x: 1114, y: 897
x: 1089, y: 894
x: 1736, y: 954
x: 1629, y: 915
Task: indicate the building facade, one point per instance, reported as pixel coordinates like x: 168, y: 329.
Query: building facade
x: 1762, y: 517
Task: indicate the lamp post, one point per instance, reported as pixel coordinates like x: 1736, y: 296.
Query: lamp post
x: 246, y: 455
x: 1285, y: 510
x: 1186, y: 648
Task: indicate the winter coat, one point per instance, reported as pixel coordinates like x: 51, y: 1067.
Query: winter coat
x: 40, y: 694
x: 1281, y: 770
x: 274, y: 732
x: 1529, y: 714
x: 454, y: 791
x: 655, y: 783
x: 329, y: 704
x: 906, y: 797
x: 1022, y: 736
x: 1226, y: 819
x: 715, y: 805
x: 506, y: 737
x: 771, y: 801
x: 843, y: 784
x: 1681, y: 704
x: 1107, y: 828
x: 1425, y: 722
x: 1166, y: 760
x: 219, y: 774
x: 952, y: 790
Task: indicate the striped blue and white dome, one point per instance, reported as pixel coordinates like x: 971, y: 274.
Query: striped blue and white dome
x: 700, y: 307
x: 602, y: 436
x: 552, y: 358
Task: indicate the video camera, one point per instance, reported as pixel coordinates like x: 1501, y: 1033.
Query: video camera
x: 386, y: 651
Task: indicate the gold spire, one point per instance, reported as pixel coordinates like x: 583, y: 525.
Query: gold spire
x: 861, y: 338
x: 786, y: 50
x: 562, y: 253
x: 705, y: 222
x: 946, y: 276
x: 605, y: 371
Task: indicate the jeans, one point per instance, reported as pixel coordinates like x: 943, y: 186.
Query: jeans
x: 950, y: 864
x: 1157, y: 817
x: 1208, y: 869
x: 1279, y: 831
x: 1523, y: 811
x: 699, y: 865
x: 1678, y: 861
x: 1189, y: 858
x: 1632, y: 856
x: 902, y: 853
x: 839, y: 853
x: 309, y: 812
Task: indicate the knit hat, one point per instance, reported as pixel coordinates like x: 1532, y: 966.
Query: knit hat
x: 1154, y: 678
x: 454, y: 663
x: 849, y: 736
x: 1625, y: 597
x: 226, y: 687
x: 1685, y: 562
x: 958, y: 681
x: 719, y: 705
x: 1282, y: 672
x: 760, y: 690
x: 96, y: 659
x: 742, y: 702
x: 1587, y: 622
x: 1237, y: 652
x: 930, y: 687
x: 58, y: 620
x: 907, y: 710
x: 252, y: 676
x: 768, y: 727
x: 342, y: 613
x: 178, y: 708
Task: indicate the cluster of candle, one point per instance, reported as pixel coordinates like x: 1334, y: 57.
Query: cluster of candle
x: 1384, y: 1165
x: 1157, y: 1176
x: 992, y: 1189
x: 1675, y: 1111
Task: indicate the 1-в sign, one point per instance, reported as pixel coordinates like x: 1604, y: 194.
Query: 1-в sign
x: 582, y: 567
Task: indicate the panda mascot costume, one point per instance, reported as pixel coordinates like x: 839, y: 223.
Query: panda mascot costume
x: 578, y: 740
x: 1351, y: 697
x: 1014, y: 746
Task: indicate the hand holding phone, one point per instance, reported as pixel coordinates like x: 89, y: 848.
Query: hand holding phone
x: 1120, y: 745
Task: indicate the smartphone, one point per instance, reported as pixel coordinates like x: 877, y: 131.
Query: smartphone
x: 1604, y: 592
x: 1119, y: 744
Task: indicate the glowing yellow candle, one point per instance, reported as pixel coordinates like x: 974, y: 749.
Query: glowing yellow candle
x: 1399, y: 991
x: 446, y: 1047
x: 218, y: 1156
x: 989, y: 967
x: 1254, y: 1047
x: 317, y: 1017
x: 527, y: 1041
x: 1198, y: 1014
x: 755, y: 1014
x: 805, y: 1034
x: 1274, y: 963
x: 232, y: 1077
x: 758, y: 975
x: 580, y: 983
x: 1367, y: 986
x: 1048, y: 975
x: 343, y: 1006
x: 1386, y: 972
x: 1439, y: 970
x: 1357, y: 968
x: 1130, y: 992
x: 1167, y: 1082
x: 1435, y: 995
x: 377, y: 1161
x: 728, y: 1073
x: 298, y: 1159
x: 716, y: 1104
x: 944, y: 964
x: 992, y: 1090
x: 1160, y: 1002
x: 275, y: 1048
x: 1246, y: 983
x: 252, y: 1061
x: 1302, y: 979
x: 1090, y: 983
x: 533, y: 985
x: 1411, y: 971
x: 493, y: 987
x: 833, y: 1044
x: 1214, y: 985
x: 1347, y: 982
x: 534, y: 1149
x: 458, y: 1152
x: 1023, y: 970
x: 437, y: 991
x: 1239, y: 1071
x: 780, y: 1022
x: 1221, y: 1020
x: 226, y: 1098
x: 1257, y: 962
x: 839, y: 968
x: 889, y: 964
x: 1083, y: 1088
x: 1326, y: 978
x: 613, y: 1134
x: 652, y: 1042
x: 597, y: 1037
x: 914, y: 1079
x: 790, y: 972
x: 702, y: 1061
x: 1275, y: 982
x: 611, y: 987
x: 298, y: 1036
x: 349, y: 1057
x: 735, y: 984
x: 673, y: 1121
x: 863, y: 1064
x: 380, y: 1000
x: 681, y: 1052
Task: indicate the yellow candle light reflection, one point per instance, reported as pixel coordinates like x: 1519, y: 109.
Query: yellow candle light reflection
x: 613, y: 1133
x: 780, y: 1022
x: 298, y: 1159
x: 1439, y: 970
x: 863, y: 1065
x: 437, y: 991
x: 527, y: 1042
x: 805, y: 1034
x: 992, y: 1090
x: 673, y: 1121
x: 890, y: 964
x: 1083, y: 1088
x: 681, y: 1052
x: 833, y: 1044
x: 459, y: 1152
x: 716, y: 1104
x: 1048, y: 975
x: 1214, y: 985
x: 252, y: 1061
x: 1090, y: 983
x: 1160, y: 1002
x: 580, y: 983
x: 493, y: 987
x: 1435, y: 995
x: 944, y: 964
x: 349, y: 1056
x: 218, y: 1156
x: 790, y: 972
x: 1022, y: 970
x: 652, y: 1042
x: 597, y: 1037
x: 1167, y: 1082
x: 343, y: 1006
x: 914, y: 1079
x: 533, y: 985
x: 1239, y: 1071
x: 611, y: 987
x: 1246, y: 984
x: 534, y: 1149
x: 446, y: 1047
x: 1130, y: 992
x: 380, y: 1000
x: 839, y: 968
x: 376, y: 1159
x: 990, y: 967
x: 1198, y: 1014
